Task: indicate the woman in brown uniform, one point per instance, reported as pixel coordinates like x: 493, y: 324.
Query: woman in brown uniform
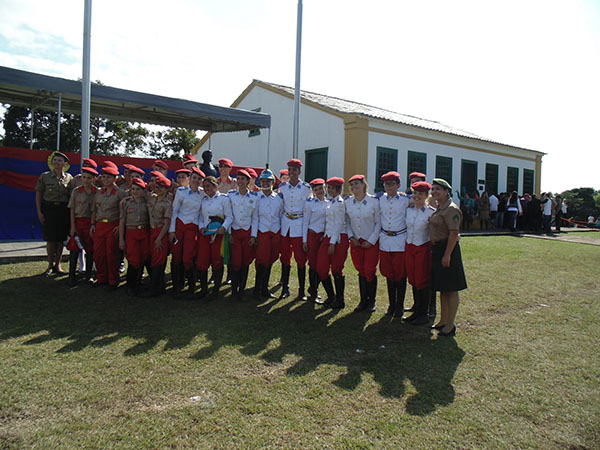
x: 52, y: 194
x: 447, y: 273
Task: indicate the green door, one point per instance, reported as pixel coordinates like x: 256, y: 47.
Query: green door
x: 468, y: 177
x: 315, y: 161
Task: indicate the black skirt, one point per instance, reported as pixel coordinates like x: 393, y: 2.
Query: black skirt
x: 448, y: 279
x: 57, y: 220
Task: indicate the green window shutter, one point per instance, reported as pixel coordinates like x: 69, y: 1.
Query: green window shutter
x: 512, y: 179
x: 387, y: 161
x: 491, y: 178
x: 443, y: 168
x: 416, y: 162
x: 315, y: 161
x: 528, y: 180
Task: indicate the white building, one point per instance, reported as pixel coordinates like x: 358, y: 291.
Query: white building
x: 342, y: 138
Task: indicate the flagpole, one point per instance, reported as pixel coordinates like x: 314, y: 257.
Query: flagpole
x: 297, y: 88
x: 85, y: 81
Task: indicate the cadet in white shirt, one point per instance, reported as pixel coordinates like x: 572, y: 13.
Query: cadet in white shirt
x: 313, y: 226
x: 362, y: 214
x: 270, y: 207
x: 245, y: 218
x: 293, y: 193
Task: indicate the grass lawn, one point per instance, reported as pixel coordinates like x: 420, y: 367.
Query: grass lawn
x: 88, y: 368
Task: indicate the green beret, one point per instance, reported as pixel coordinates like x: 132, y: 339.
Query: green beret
x: 442, y: 183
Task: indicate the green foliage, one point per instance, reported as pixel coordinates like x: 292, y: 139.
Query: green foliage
x: 582, y: 203
x: 172, y: 143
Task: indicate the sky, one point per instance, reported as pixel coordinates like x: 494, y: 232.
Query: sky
x: 524, y: 73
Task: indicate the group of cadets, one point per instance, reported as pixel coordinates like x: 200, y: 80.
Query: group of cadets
x: 313, y: 222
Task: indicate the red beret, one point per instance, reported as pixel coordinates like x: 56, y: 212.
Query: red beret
x: 294, y: 163
x: 245, y: 173
x: 198, y: 171
x: 110, y: 164
x: 189, y: 158
x: 163, y: 181
x: 161, y: 164
x: 317, y: 182
x: 417, y: 175
x: 335, y: 181
x: 284, y: 172
x: 225, y: 162
x: 356, y: 177
x: 91, y: 162
x: 128, y: 166
x: 110, y: 171
x: 391, y: 176
x: 252, y: 172
x: 139, y: 182
x: 89, y: 170
x: 136, y: 169
x: 156, y: 173
x: 186, y: 171
x: 421, y: 186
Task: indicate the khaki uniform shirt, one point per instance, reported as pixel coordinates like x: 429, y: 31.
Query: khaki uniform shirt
x: 158, y: 210
x: 445, y: 219
x: 54, y: 188
x: 106, y: 204
x: 227, y: 185
x: 82, y: 202
x: 135, y: 213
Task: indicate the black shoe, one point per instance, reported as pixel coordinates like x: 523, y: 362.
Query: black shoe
x: 420, y: 320
x: 285, y: 281
x: 371, y: 293
x: 391, y: 287
x: 362, y: 285
x: 328, y: 286
x: 452, y: 332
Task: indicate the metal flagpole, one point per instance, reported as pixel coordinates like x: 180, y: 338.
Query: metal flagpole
x: 58, y: 123
x: 85, y: 81
x: 297, y: 88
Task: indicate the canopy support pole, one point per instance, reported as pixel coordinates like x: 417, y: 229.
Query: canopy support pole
x: 85, y: 81
x: 297, y: 88
x: 58, y: 123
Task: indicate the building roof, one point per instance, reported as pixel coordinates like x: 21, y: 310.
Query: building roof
x: 349, y: 107
x: 21, y: 88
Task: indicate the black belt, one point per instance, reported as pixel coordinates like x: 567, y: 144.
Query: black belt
x: 393, y: 233
x: 55, y: 203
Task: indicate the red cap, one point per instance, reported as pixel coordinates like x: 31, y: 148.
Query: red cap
x: 284, y: 172
x: 189, y: 158
x: 356, y: 177
x: 198, y: 171
x: 294, y: 163
x: 317, y: 182
x: 335, y: 181
x: 417, y: 175
x: 225, y: 162
x: 421, y: 186
x: 252, y: 172
x: 245, y: 173
x: 161, y: 164
x: 91, y: 162
x: 136, y: 169
x: 110, y: 164
x: 391, y: 176
x: 141, y: 183
x: 186, y: 171
x: 89, y: 170
x: 163, y: 181
x: 110, y: 170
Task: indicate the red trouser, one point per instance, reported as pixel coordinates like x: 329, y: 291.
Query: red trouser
x: 241, y: 252
x: 335, y: 262
x: 314, y: 243
x: 289, y: 244
x: 158, y: 256
x: 106, y: 244
x: 267, y: 249
x: 418, y: 264
x: 82, y: 226
x: 365, y: 259
x: 185, y: 249
x: 209, y: 253
x: 392, y: 265
x: 137, y: 246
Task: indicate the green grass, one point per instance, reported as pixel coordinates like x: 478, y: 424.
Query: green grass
x: 85, y: 368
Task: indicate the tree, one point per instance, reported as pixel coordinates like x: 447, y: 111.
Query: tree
x: 172, y: 143
x: 582, y: 203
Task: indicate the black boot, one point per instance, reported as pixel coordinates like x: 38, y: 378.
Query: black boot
x: 218, y: 277
x: 155, y: 283
x: 265, y: 283
x: 432, y: 310
x: 203, y: 278
x: 89, y: 267
x: 362, y: 287
x: 243, y: 279
x: 328, y: 286
x: 73, y: 257
x: 228, y: 277
x: 235, y: 281
x: 258, y: 281
x: 176, y: 288
x: 313, y: 284
x: 423, y: 295
x: 400, y: 293
x: 340, y: 284
x: 371, y: 294
x: 301, y: 283
x: 132, y: 280
x: 417, y: 306
x: 192, y: 276
x: 285, y: 281
x: 391, y: 287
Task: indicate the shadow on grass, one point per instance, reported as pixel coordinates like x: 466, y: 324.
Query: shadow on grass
x: 390, y: 352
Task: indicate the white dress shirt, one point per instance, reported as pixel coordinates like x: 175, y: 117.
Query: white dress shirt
x: 186, y: 206
x: 393, y: 222
x: 217, y: 205
x: 314, y: 216
x: 335, y: 223
x: 243, y: 208
x: 269, y: 213
x: 293, y: 198
x: 493, y: 203
x: 417, y: 224
x: 363, y: 221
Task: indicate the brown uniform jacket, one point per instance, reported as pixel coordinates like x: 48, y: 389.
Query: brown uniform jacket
x: 445, y: 219
x: 54, y: 188
x: 227, y: 185
x: 135, y: 214
x: 106, y: 204
x: 159, y: 210
x: 82, y: 202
